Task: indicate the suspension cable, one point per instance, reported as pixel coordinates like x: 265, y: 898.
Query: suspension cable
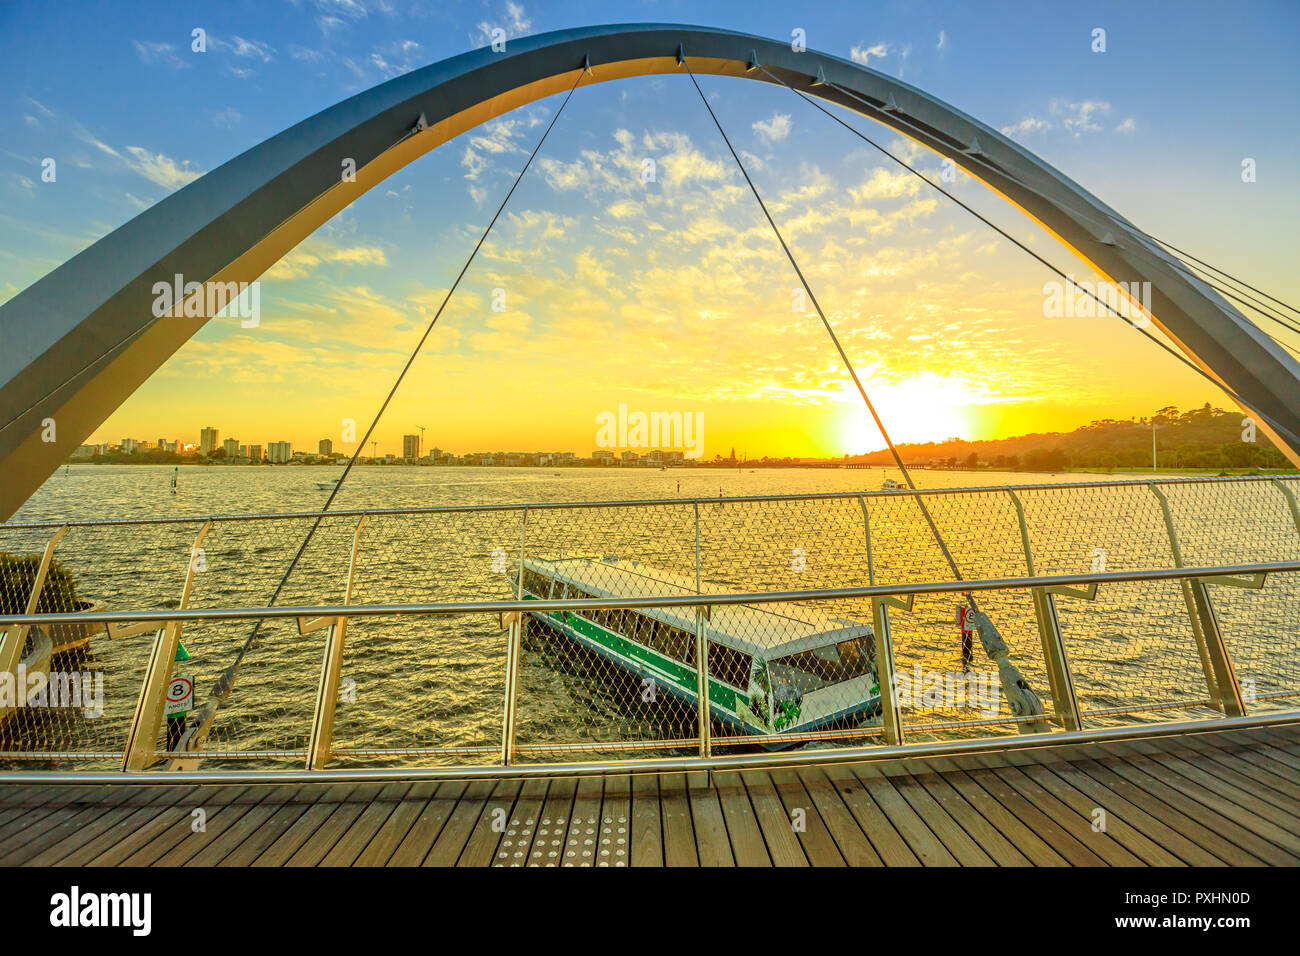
x: 1282, y: 430
x: 898, y: 460
x: 338, y: 485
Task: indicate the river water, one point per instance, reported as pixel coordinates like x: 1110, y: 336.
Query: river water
x: 424, y: 684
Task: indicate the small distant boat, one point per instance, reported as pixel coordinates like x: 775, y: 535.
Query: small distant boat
x: 773, y: 669
x: 889, y: 484
x: 329, y: 485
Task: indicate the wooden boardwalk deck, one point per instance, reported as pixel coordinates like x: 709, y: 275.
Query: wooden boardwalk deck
x: 1205, y: 799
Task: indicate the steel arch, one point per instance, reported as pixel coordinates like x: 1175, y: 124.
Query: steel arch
x: 58, y: 335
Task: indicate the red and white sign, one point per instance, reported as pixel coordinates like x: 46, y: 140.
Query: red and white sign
x: 965, y: 618
x: 180, y: 695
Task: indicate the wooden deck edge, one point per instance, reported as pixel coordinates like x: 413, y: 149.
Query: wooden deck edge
x: 1061, y: 742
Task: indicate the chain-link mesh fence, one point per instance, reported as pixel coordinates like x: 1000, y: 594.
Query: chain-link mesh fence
x: 614, y: 682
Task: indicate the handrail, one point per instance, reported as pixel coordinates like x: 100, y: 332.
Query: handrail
x: 645, y: 502
x: 687, y: 600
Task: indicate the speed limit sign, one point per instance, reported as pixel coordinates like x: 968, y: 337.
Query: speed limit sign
x: 180, y: 696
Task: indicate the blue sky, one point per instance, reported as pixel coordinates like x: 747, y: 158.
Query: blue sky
x: 1157, y: 126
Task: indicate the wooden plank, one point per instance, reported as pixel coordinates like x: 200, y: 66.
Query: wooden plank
x: 358, y: 835
x: 679, y: 833
x: 481, y: 847
x: 742, y: 826
x: 885, y: 840
x: 291, y: 838
x: 1025, y: 840
x: 814, y: 838
x: 955, y: 840
x: 847, y: 836
x: 920, y: 839
x: 230, y: 838
x: 1235, y: 804
x: 647, y: 826
x: 332, y: 828
x: 1032, y: 818
x: 986, y: 836
x: 1206, y: 817
x: 614, y: 848
x: 1117, y: 807
x: 96, y: 830
x: 513, y: 845
x: 282, y: 821
x: 1277, y: 776
x: 81, y: 816
x: 782, y: 844
x: 1229, y: 778
x: 711, y: 840
x: 1115, y: 826
x: 167, y: 824
x: 582, y: 840
x: 450, y: 842
x: 552, y: 824
x: 393, y: 830
x: 191, y: 843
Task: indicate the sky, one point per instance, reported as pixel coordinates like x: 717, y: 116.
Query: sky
x: 671, y: 295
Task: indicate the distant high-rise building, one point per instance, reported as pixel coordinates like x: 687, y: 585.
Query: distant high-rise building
x: 410, y: 446
x: 326, y: 447
x: 207, y: 440
x: 231, y: 445
x: 278, y: 452
x: 254, y: 452
x: 129, y: 445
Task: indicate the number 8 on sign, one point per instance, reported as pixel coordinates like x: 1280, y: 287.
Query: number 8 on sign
x: 180, y: 695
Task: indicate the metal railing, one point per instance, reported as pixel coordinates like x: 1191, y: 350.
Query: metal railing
x: 1188, y: 604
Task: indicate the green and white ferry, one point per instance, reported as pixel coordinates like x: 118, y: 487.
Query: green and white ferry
x: 774, y: 669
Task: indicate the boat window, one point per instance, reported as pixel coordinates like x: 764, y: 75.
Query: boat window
x: 673, y: 641
x: 729, y: 665
x: 810, y: 670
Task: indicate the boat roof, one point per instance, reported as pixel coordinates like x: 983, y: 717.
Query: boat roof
x: 764, y: 630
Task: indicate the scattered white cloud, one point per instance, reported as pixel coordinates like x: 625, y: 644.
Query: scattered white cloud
x: 943, y: 41
x: 865, y: 54
x: 775, y: 129
x: 1082, y: 117
x: 1128, y: 125
x: 1030, y: 124
x: 513, y: 22
x: 163, y: 53
x: 160, y: 169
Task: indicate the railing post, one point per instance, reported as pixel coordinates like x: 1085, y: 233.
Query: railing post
x: 891, y: 720
x: 1220, y: 677
x: 142, y: 738
x: 1049, y: 632
x: 703, y: 712
x: 327, y: 691
x: 13, y: 638
x: 513, y: 642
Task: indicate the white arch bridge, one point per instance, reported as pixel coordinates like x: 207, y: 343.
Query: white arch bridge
x: 77, y: 343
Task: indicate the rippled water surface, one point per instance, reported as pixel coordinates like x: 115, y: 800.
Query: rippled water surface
x: 429, y: 683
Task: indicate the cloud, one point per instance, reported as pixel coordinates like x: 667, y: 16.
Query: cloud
x: 313, y: 253
x: 943, y: 41
x: 1129, y: 125
x: 163, y: 53
x: 775, y: 129
x: 514, y: 22
x: 160, y: 169
x: 247, y: 49
x: 1030, y: 124
x: 865, y: 55
x: 1079, y: 118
